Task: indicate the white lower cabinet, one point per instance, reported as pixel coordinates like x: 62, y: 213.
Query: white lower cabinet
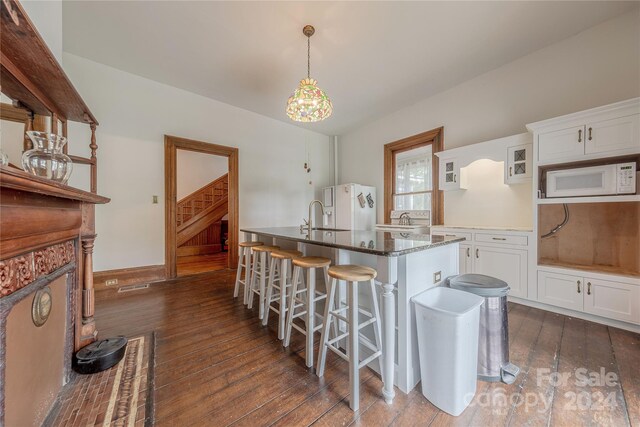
x: 466, y: 261
x: 497, y: 253
x: 505, y: 264
x: 561, y: 290
x: 613, y: 300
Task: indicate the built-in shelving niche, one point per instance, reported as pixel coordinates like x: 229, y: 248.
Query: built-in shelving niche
x: 602, y: 237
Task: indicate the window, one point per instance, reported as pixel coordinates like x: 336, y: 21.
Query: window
x: 414, y: 179
x: 411, y: 175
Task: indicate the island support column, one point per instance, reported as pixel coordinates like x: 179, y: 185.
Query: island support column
x: 388, y: 277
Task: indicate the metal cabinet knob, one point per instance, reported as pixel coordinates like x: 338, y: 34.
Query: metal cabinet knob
x: 477, y: 253
x: 468, y: 252
x: 590, y: 138
x: 579, y: 135
x: 510, y: 170
x: 579, y: 286
x: 588, y: 288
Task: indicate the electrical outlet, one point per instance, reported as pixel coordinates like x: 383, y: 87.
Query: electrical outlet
x: 437, y: 276
x: 111, y: 282
x: 155, y: 200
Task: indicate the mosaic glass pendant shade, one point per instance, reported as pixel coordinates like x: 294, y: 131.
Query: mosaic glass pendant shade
x: 309, y: 103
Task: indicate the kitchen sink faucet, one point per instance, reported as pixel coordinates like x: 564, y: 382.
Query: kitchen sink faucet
x: 309, y: 224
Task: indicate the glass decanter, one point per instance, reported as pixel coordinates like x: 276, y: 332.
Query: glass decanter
x: 46, y: 158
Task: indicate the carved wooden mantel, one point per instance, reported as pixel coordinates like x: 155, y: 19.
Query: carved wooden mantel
x: 43, y: 226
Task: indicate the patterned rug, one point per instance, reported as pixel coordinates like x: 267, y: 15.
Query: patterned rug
x: 118, y: 396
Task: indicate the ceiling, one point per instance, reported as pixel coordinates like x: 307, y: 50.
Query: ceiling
x: 372, y: 58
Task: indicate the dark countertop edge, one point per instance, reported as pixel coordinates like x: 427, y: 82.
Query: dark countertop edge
x: 355, y: 248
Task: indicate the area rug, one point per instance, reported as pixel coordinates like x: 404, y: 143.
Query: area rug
x: 119, y: 396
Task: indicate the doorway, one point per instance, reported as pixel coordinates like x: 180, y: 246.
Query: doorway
x: 201, y: 206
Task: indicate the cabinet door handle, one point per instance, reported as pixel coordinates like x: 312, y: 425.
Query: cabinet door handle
x: 454, y: 177
x: 510, y: 170
x: 588, y: 288
x: 590, y: 134
x: 477, y: 253
x: 579, y: 286
x: 579, y: 135
x: 468, y: 252
x: 499, y: 238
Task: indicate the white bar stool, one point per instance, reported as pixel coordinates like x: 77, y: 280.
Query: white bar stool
x: 308, y: 303
x: 281, y: 265
x: 352, y: 274
x: 244, y: 261
x: 259, y: 273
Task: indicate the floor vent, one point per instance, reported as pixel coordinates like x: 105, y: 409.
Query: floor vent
x: 133, y: 288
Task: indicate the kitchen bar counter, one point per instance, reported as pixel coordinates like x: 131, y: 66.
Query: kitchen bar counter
x: 371, y: 242
x: 407, y: 264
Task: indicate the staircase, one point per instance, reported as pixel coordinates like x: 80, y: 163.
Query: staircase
x: 201, y: 209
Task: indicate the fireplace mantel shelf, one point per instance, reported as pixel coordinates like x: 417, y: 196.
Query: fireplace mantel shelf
x: 17, y: 179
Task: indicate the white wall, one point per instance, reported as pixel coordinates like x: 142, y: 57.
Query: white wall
x: 135, y: 113
x: 195, y: 170
x: 598, y: 66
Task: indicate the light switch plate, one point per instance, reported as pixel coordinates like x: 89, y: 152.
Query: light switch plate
x: 437, y: 276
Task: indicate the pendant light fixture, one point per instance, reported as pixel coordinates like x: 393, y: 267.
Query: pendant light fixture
x: 309, y: 103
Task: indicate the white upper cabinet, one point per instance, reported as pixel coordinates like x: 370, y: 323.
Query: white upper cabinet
x: 560, y: 145
x: 449, y: 175
x: 608, y: 131
x: 610, y: 136
x: 518, y: 165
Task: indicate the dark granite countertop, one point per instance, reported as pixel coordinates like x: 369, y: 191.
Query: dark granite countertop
x: 371, y: 242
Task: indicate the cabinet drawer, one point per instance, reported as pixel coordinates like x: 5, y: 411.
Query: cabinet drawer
x: 467, y: 236
x: 502, y: 238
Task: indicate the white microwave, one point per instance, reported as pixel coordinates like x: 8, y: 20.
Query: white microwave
x: 592, y: 181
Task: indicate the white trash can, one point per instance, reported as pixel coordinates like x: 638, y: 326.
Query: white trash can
x: 447, y: 325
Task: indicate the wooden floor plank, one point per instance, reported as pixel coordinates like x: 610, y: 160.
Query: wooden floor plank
x: 626, y: 349
x: 217, y: 365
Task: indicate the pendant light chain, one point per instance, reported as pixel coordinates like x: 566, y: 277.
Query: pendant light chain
x: 308, y: 57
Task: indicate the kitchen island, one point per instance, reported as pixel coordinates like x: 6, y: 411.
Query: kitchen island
x: 407, y: 264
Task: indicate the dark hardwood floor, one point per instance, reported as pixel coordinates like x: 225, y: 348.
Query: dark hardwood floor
x: 196, y: 264
x: 216, y: 365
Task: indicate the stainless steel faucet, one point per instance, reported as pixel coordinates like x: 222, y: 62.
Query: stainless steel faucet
x: 405, y: 219
x: 309, y: 223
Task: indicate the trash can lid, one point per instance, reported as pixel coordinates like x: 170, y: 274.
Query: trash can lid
x: 479, y: 284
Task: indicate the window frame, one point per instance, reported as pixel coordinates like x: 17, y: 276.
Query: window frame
x: 435, y: 138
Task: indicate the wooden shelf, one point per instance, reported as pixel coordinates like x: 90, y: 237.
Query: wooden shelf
x: 31, y: 74
x: 18, y: 179
x: 604, y: 269
x: 593, y: 199
x: 81, y: 160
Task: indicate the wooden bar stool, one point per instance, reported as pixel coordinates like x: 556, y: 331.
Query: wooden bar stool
x: 352, y: 274
x: 281, y: 265
x: 308, y: 303
x: 244, y: 262
x: 259, y: 273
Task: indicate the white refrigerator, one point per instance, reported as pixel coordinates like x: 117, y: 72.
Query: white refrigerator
x: 350, y: 207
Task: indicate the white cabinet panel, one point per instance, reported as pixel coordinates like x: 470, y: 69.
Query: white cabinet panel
x: 565, y: 144
x: 505, y: 264
x: 449, y: 175
x: 614, y: 300
x: 466, y: 260
x: 510, y: 239
x: 518, y: 165
x: 561, y: 290
x: 613, y: 135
